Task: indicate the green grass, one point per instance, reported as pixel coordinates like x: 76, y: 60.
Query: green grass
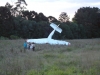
x: 81, y: 58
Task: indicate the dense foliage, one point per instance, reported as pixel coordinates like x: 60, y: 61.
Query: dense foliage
x: 30, y: 24
x: 90, y: 19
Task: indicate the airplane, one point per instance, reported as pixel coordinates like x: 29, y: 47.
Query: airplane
x: 49, y: 39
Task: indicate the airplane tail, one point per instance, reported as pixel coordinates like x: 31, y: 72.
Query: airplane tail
x: 56, y: 28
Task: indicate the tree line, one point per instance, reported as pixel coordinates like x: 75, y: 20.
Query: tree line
x: 21, y: 23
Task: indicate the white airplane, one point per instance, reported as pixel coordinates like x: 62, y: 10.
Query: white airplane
x: 49, y: 39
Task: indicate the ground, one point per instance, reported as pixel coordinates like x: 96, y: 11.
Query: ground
x: 82, y: 57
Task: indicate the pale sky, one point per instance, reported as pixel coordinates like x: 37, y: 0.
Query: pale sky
x: 55, y: 7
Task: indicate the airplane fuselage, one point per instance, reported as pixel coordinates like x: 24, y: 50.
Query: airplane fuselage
x: 48, y: 41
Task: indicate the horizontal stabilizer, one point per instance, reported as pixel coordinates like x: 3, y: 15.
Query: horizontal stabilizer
x: 55, y: 27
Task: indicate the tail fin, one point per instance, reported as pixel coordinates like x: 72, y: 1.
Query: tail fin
x: 55, y: 27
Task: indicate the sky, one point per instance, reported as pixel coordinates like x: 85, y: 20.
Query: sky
x: 55, y: 7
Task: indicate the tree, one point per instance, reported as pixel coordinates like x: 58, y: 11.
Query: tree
x: 21, y: 2
x: 41, y: 17
x: 66, y: 33
x: 52, y: 19
x: 17, y: 10
x: 29, y: 15
x: 90, y: 19
x: 6, y: 24
x: 75, y: 30
x: 63, y: 17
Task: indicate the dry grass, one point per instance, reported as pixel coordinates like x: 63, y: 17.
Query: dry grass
x: 84, y: 54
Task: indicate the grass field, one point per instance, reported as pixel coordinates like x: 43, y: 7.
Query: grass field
x: 81, y: 58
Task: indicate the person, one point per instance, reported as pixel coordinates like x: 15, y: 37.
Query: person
x: 32, y: 46
x: 25, y: 45
x: 28, y: 45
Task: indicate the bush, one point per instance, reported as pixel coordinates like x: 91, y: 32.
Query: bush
x: 14, y: 37
x: 3, y: 38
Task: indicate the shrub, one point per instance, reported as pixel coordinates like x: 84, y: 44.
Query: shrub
x: 3, y: 38
x: 14, y: 37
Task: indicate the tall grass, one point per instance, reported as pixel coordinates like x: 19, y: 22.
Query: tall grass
x: 81, y: 58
